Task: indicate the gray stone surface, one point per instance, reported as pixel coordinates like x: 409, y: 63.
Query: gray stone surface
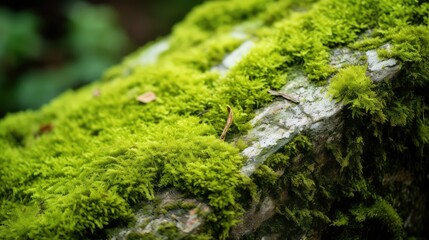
x: 150, y: 55
x: 341, y: 57
x: 169, y: 211
x: 381, y: 69
x: 316, y: 114
x: 278, y: 123
x: 378, y: 69
x: 257, y: 214
x: 233, y: 58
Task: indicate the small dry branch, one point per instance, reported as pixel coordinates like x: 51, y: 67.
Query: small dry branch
x: 283, y: 95
x: 228, y: 123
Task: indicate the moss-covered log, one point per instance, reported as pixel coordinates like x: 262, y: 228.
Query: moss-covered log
x: 328, y: 140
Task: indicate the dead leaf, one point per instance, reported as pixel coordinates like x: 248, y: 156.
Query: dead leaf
x: 96, y: 92
x: 146, y: 97
x: 45, y: 128
x: 283, y: 95
x: 228, y: 123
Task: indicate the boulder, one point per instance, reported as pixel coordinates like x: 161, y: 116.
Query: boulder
x: 252, y: 120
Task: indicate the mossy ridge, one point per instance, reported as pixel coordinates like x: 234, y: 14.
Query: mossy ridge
x: 167, y: 231
x: 301, y: 205
x: 34, y: 170
x: 361, y: 190
x: 385, y: 137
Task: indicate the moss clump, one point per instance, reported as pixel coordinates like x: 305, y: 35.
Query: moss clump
x: 140, y: 236
x: 353, y: 88
x: 379, y: 215
x: 385, y: 140
x: 104, y: 153
x: 289, y: 177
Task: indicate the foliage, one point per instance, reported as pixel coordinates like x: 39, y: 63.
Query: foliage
x: 20, y: 39
x: 22, y: 44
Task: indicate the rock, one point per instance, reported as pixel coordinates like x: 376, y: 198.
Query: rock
x: 185, y: 214
x: 345, y: 56
x: 352, y: 167
x: 274, y: 126
x: 150, y: 55
x: 379, y: 69
x: 277, y: 124
x: 317, y: 115
x: 232, y: 58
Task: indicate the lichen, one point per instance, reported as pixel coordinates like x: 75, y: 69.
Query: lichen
x: 104, y: 153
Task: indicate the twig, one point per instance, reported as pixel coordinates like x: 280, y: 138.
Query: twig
x: 228, y: 123
x: 283, y: 95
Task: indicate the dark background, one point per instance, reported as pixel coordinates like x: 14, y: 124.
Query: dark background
x: 49, y: 46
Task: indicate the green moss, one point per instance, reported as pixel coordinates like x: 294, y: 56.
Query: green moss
x: 354, y: 89
x: 140, y: 236
x: 299, y: 144
x: 214, y: 17
x: 105, y: 153
x: 180, y: 205
x: 169, y: 230
x: 207, y: 54
x: 265, y: 176
x: 379, y: 215
x: 375, y: 148
x: 287, y: 177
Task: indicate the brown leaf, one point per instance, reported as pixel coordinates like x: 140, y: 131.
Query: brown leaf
x: 146, y: 97
x: 283, y: 95
x: 45, y: 128
x: 228, y: 123
x: 96, y: 92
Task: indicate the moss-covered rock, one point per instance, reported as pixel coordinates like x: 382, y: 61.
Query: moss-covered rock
x: 349, y: 159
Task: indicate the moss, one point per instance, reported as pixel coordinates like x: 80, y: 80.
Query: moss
x: 354, y: 89
x: 270, y: 174
x: 105, y: 153
x: 140, y: 236
x: 375, y: 148
x: 213, y: 17
x: 169, y: 230
x: 288, y: 178
x: 299, y: 144
x: 379, y: 215
x: 179, y: 205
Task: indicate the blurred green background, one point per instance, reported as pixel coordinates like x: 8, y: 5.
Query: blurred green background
x: 49, y: 46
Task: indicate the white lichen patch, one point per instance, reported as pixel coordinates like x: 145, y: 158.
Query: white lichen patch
x: 151, y: 54
x: 233, y: 58
x: 379, y: 69
x: 149, y: 222
x: 241, y: 31
x: 341, y: 57
x: 316, y: 114
x: 281, y: 121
